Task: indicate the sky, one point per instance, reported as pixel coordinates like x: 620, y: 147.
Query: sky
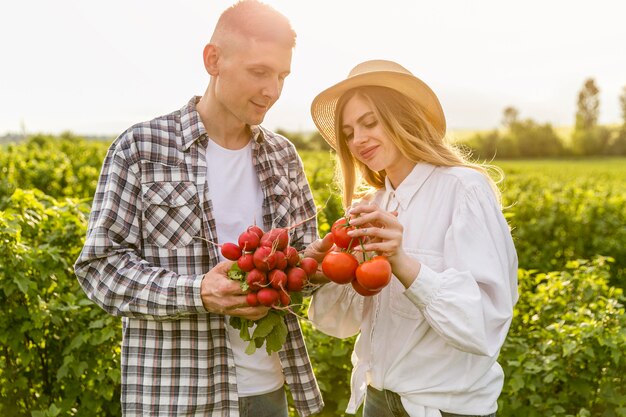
x: 96, y: 68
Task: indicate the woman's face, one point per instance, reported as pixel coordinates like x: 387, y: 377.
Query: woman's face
x: 367, y: 140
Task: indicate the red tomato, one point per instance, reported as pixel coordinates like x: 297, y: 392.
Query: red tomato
x: 363, y: 291
x: 339, y: 267
x: 374, y: 274
x: 340, y: 230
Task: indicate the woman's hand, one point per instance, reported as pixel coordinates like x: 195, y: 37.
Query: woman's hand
x: 381, y: 229
x: 382, y: 233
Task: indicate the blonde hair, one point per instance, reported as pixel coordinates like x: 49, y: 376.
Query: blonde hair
x: 408, y: 128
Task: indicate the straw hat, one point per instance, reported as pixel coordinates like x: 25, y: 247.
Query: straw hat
x: 376, y: 73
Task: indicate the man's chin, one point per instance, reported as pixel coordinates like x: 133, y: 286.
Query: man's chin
x: 256, y: 120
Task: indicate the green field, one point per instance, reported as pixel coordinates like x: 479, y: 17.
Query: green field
x: 564, y: 356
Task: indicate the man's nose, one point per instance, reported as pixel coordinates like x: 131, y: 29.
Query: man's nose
x: 272, y: 89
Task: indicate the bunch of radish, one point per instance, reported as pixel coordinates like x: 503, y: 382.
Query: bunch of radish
x: 273, y: 274
x: 268, y: 267
x: 367, y: 278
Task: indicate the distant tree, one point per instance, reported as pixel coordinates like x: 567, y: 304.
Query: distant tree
x: 535, y: 140
x: 618, y: 144
x: 589, y: 138
x: 317, y: 142
x: 296, y: 138
x: 510, y: 116
x: 483, y: 146
x: 588, y: 106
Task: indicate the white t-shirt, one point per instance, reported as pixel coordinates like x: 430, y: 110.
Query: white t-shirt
x: 436, y: 342
x: 237, y: 200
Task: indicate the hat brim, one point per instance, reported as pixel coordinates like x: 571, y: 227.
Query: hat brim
x: 324, y: 106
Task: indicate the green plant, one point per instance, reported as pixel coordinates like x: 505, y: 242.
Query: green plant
x: 564, y: 355
x: 59, y: 353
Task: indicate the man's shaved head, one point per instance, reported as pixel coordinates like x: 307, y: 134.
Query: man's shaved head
x: 251, y: 19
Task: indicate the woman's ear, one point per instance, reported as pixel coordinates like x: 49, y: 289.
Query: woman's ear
x: 211, y: 55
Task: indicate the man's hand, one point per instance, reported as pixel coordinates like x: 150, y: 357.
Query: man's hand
x: 222, y: 295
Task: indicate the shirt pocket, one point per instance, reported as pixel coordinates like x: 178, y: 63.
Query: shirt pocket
x: 172, y: 217
x: 400, y: 303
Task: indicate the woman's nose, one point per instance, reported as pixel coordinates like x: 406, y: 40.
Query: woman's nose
x: 359, y: 135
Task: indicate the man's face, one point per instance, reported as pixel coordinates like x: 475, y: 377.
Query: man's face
x: 250, y: 79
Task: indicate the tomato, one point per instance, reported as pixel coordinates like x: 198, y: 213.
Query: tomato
x: 363, y: 291
x: 374, y: 274
x: 340, y: 230
x: 339, y: 267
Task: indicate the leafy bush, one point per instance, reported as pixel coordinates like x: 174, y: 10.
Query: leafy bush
x: 65, y: 166
x: 59, y: 353
x: 330, y: 358
x: 564, y: 355
x: 567, y: 210
x: 320, y: 171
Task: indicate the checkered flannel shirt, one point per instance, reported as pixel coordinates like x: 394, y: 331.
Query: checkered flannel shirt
x: 142, y: 261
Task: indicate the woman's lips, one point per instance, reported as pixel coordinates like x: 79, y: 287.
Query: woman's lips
x: 368, y: 152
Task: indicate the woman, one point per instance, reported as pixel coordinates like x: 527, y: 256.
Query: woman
x: 429, y: 340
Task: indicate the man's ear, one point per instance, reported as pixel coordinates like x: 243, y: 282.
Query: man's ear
x: 211, y: 56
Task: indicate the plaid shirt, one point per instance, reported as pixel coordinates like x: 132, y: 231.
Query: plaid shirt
x: 141, y: 261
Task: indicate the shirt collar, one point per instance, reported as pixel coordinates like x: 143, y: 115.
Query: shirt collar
x: 193, y: 129
x: 408, y: 188
x: 191, y: 125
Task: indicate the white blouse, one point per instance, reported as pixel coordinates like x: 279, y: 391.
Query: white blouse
x: 435, y: 343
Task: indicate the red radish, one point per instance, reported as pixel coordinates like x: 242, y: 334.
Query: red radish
x: 246, y: 262
x: 292, y: 256
x: 248, y: 241
x: 276, y: 238
x: 309, y: 265
x: 277, y: 279
x: 264, y: 259
x: 339, y: 267
x: 231, y: 251
x: 267, y: 296
x: 281, y: 260
x: 284, y: 297
x: 256, y: 279
x: 296, y: 277
x: 252, y: 299
x: 256, y: 230
x: 362, y: 290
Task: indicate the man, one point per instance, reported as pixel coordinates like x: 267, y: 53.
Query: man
x: 167, y: 186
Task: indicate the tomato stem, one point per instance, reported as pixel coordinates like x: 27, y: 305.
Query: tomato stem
x: 363, y: 250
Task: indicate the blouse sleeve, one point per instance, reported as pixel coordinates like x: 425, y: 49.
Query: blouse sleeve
x: 336, y: 310
x: 470, y: 304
